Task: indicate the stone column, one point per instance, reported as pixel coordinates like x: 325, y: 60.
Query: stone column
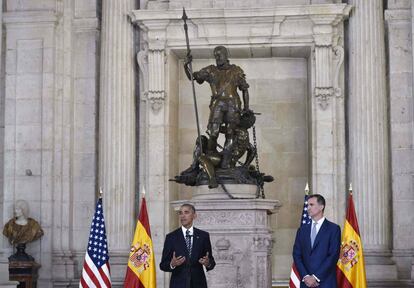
x: 368, y: 135
x: 117, y: 130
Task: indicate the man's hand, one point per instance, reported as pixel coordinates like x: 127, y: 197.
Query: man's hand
x: 205, y: 260
x: 176, y: 261
x: 310, y: 281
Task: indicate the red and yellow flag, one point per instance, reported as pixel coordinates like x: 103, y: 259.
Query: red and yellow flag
x: 141, y: 263
x: 351, y: 267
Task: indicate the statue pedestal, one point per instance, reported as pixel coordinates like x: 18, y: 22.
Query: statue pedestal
x: 240, y: 237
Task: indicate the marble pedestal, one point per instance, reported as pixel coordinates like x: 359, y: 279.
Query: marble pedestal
x: 241, y: 240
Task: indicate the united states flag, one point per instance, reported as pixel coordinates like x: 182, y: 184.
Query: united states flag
x: 295, y: 280
x: 95, y: 271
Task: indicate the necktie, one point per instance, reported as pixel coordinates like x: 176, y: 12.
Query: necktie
x: 188, y: 241
x: 313, y: 233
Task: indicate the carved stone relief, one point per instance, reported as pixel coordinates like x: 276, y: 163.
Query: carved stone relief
x: 338, y: 52
x: 226, y: 218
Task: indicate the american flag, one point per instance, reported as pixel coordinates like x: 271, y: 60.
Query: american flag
x: 295, y: 280
x: 95, y: 272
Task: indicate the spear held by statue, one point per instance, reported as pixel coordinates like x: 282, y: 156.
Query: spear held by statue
x: 190, y: 66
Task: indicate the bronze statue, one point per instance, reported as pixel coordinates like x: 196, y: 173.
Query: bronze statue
x: 229, y: 116
x: 22, y: 229
x: 225, y: 103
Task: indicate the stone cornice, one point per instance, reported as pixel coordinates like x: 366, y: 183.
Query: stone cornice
x: 238, y: 26
x: 341, y: 10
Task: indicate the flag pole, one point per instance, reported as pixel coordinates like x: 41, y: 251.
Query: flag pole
x: 100, y: 192
x: 350, y: 188
x: 307, y: 188
x: 143, y: 191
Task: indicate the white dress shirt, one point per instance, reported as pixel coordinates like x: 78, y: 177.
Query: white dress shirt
x: 185, y: 231
x: 318, y: 224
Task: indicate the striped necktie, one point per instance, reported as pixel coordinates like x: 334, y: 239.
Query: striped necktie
x: 188, y: 241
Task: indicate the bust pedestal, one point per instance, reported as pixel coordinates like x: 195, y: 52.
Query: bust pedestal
x: 240, y: 237
x: 26, y: 272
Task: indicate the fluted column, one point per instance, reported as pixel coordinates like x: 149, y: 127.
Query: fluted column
x: 117, y: 126
x: 368, y: 134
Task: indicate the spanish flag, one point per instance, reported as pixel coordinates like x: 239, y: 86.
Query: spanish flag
x: 141, y: 263
x: 350, y: 270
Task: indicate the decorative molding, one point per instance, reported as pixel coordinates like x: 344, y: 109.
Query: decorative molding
x: 323, y: 86
x: 323, y: 95
x: 262, y: 242
x: 261, y: 269
x: 338, y: 53
x: 316, y: 11
x: 156, y: 79
x: 211, y: 26
x: 261, y: 217
x: 223, y: 250
x: 142, y: 61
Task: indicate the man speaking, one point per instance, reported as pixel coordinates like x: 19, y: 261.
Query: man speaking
x: 186, y: 251
x: 317, y: 246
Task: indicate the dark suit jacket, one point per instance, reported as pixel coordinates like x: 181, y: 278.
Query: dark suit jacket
x: 322, y: 258
x: 192, y: 270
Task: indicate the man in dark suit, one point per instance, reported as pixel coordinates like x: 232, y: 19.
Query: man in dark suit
x: 317, y: 246
x: 186, y: 251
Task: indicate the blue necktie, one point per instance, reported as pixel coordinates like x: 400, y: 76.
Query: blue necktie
x: 188, y: 241
x: 313, y: 233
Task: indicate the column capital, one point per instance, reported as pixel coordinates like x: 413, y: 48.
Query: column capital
x: 155, y: 33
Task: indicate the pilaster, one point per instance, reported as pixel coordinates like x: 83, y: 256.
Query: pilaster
x: 328, y: 134
x: 399, y: 43
x: 153, y: 65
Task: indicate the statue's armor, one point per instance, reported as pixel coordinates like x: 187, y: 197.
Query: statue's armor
x: 225, y: 104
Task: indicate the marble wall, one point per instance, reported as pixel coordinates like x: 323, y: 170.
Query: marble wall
x: 50, y: 110
x: 50, y: 92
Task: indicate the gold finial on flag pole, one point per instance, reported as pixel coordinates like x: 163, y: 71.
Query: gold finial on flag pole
x: 307, y: 188
x: 100, y: 192
x: 350, y: 188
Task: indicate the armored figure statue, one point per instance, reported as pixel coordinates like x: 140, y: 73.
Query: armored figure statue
x: 225, y: 103
x: 227, y: 117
